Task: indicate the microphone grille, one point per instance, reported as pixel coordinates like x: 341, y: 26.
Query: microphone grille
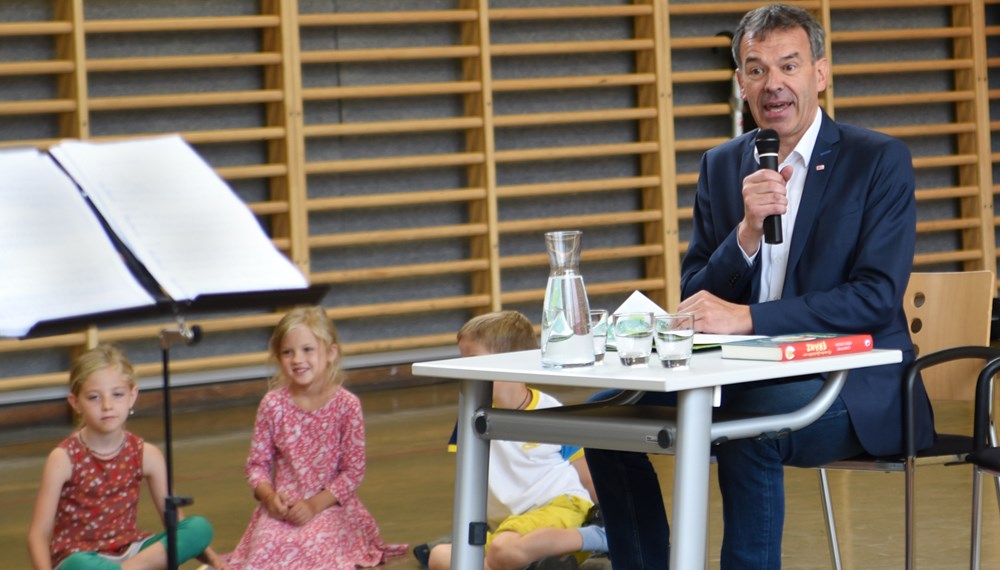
x: 768, y: 141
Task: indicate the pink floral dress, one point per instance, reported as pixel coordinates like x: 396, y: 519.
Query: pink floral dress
x: 309, y: 452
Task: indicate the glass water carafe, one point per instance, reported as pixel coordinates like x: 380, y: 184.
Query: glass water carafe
x: 566, y: 338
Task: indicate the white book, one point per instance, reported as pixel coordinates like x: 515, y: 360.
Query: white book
x: 167, y: 206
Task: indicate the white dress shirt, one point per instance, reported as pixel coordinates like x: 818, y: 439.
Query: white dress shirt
x: 775, y: 257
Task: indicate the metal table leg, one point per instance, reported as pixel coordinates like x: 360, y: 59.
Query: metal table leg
x: 472, y: 465
x: 690, y: 509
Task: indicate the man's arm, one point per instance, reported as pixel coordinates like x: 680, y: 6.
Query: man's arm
x: 583, y: 471
x: 714, y: 261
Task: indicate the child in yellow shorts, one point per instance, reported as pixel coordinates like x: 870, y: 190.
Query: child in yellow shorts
x: 539, y: 495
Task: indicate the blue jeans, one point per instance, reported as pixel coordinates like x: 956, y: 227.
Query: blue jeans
x: 751, y: 480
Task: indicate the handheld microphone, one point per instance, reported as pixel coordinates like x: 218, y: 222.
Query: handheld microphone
x: 767, y: 149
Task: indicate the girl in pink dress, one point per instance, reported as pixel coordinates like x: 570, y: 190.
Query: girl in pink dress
x: 307, y: 459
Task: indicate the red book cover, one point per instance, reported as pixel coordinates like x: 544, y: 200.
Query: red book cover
x: 797, y: 346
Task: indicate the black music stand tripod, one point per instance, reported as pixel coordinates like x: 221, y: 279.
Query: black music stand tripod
x: 189, y: 336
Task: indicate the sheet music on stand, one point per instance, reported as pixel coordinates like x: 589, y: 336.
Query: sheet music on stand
x: 196, y: 241
x: 56, y: 260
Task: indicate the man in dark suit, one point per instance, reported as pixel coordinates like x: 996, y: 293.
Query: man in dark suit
x: 846, y: 200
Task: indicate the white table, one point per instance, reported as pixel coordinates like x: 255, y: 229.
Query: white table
x: 688, y: 435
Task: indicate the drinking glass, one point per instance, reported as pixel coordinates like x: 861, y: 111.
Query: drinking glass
x: 633, y: 337
x: 599, y: 330
x: 675, y: 339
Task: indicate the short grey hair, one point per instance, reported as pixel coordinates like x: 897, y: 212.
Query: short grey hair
x: 759, y: 22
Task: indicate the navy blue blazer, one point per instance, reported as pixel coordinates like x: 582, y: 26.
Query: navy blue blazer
x: 849, y: 261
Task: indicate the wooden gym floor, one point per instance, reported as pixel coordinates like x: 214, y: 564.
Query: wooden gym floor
x: 410, y: 478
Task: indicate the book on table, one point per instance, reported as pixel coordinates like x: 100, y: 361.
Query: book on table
x: 122, y: 227
x: 797, y: 346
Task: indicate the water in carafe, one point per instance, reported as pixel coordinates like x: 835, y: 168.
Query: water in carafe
x: 566, y: 337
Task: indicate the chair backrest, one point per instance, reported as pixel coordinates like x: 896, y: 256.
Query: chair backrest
x: 945, y: 310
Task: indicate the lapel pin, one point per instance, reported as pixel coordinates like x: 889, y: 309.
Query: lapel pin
x: 820, y: 167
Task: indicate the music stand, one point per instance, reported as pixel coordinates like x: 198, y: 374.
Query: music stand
x: 213, y: 259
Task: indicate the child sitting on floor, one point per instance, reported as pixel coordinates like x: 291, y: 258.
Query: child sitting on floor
x: 307, y: 459
x: 85, y: 513
x: 539, y: 494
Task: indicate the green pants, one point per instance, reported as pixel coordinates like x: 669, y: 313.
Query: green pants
x: 194, y: 534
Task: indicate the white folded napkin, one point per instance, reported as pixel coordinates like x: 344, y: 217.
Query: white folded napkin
x: 637, y: 302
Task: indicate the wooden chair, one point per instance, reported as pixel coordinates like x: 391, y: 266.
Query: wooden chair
x: 949, y: 316
x: 985, y: 457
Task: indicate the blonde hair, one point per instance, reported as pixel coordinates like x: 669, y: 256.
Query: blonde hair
x: 101, y: 357
x: 96, y: 359
x: 501, y: 331
x: 314, y: 319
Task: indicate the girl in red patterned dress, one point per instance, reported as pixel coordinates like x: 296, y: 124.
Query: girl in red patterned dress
x: 307, y: 459
x: 85, y: 513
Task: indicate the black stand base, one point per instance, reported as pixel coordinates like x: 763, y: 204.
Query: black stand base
x: 170, y: 522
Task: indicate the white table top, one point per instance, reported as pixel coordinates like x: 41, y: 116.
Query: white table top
x: 706, y: 369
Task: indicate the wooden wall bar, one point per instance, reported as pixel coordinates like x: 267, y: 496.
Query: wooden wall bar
x: 411, y: 154
x: 991, y: 84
